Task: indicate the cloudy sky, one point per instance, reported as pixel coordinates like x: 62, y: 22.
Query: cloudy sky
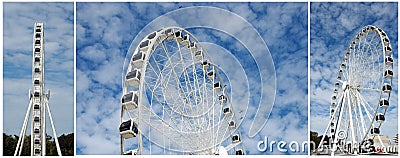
x: 105, y: 35
x: 333, y: 25
x: 18, y: 22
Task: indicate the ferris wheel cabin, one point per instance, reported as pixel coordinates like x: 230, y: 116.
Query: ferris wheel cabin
x: 384, y: 103
x: 206, y: 65
x: 130, y: 100
x: 386, y: 88
x: 128, y: 129
x: 131, y: 152
x: 178, y: 36
x: 211, y: 75
x: 133, y: 77
x: 389, y: 60
x: 199, y: 54
x: 235, y: 138
x: 186, y: 40
x: 380, y: 117
x: 227, y: 110
x: 388, y: 73
x: 375, y: 131
x: 239, y: 152
x: 192, y: 47
x: 138, y: 59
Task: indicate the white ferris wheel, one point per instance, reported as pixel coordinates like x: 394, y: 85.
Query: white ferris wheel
x: 361, y: 94
x: 175, y: 96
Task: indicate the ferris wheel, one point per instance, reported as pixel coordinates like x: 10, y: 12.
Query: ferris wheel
x: 176, y: 98
x: 361, y: 94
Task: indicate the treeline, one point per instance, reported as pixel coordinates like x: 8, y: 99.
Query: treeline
x: 66, y: 145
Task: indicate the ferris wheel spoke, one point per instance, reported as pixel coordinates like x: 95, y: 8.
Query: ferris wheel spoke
x: 169, y: 113
x: 363, y: 130
x: 173, y: 70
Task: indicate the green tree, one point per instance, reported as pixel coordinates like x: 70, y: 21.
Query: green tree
x: 66, y: 145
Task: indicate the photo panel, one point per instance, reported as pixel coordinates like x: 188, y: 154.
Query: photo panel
x: 353, y: 72
x: 38, y: 79
x: 191, y: 78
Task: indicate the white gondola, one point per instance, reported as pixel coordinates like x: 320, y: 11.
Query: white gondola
x: 217, y: 86
x: 383, y: 34
x: 36, y: 107
x: 130, y: 100
x: 336, y: 84
x: 332, y: 130
x: 133, y: 77
x: 332, y: 124
x: 161, y: 36
x: 38, y: 29
x: 154, y: 39
x: 37, y: 42
x: 335, y: 90
x: 36, y: 81
x: 342, y: 65
x: 364, y: 30
x: 178, y: 36
x: 339, y: 78
x: 186, y: 40
x: 239, y: 152
x: 37, y: 49
x: 36, y: 130
x: 380, y: 117
x: 152, y: 35
x: 340, y: 70
x: 205, y: 65
x: 131, y: 152
x: 37, y: 70
x: 384, y: 103
x: 36, y: 94
x: 334, y: 97
x: 36, y: 119
x: 388, y: 50
x: 37, y: 151
x: 211, y: 75
x: 128, y: 129
x: 232, y: 124
x: 144, y: 45
x: 37, y: 59
x: 385, y: 41
x: 138, y: 59
x: 169, y: 33
x: 333, y: 104
x: 388, y: 73
x: 375, y: 131
x: 192, y: 47
x: 222, y: 99
x: 389, y: 60
x: 235, y: 138
x: 37, y: 141
x: 332, y: 111
x: 199, y: 55
x: 347, y: 54
x: 386, y: 88
x: 227, y: 110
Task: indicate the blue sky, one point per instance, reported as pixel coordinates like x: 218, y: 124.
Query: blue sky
x: 105, y: 35
x: 333, y: 25
x: 18, y: 22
